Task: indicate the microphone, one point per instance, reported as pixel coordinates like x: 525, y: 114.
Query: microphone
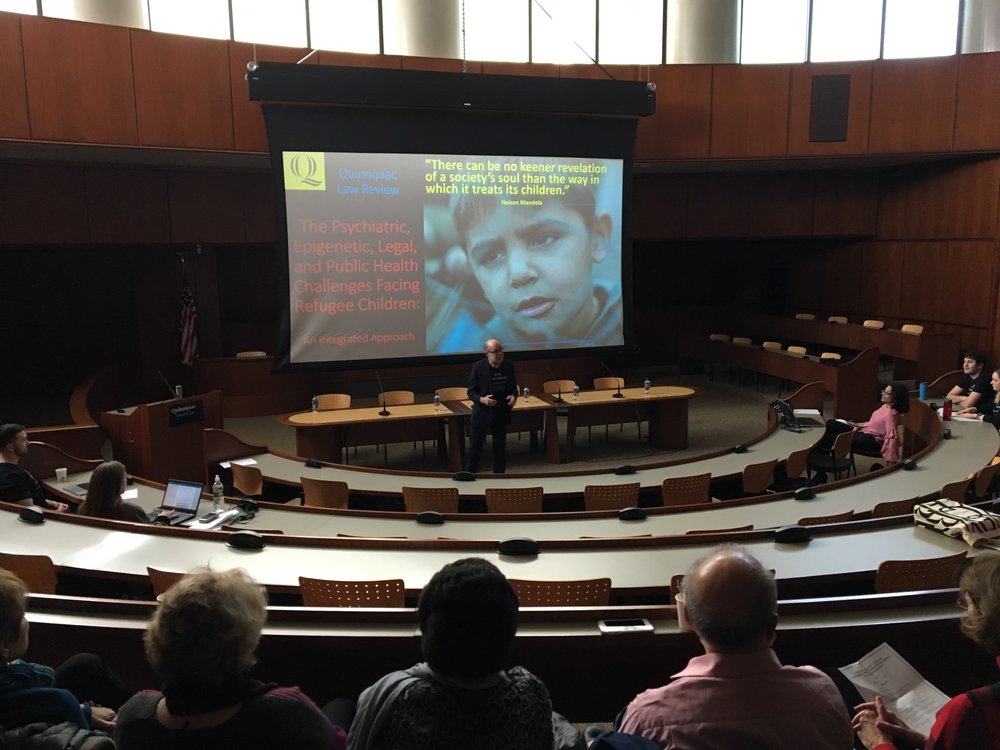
x: 381, y: 395
x: 558, y: 399
x: 619, y: 382
x: 166, y: 382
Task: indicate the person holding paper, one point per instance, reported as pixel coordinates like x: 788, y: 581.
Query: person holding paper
x: 970, y: 721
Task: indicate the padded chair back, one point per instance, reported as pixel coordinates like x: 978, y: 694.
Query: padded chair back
x: 37, y: 571
x: 830, y: 357
x: 162, y: 580
x: 718, y: 337
x: 719, y: 531
x: 686, y: 490
x: 821, y: 520
x: 757, y: 478
x: 837, y: 319
x: 914, y: 328
x: 441, y: 499
x: 593, y: 592
x: 395, y: 398
x: 985, y: 478
x: 609, y: 383
x: 454, y: 393
x: 956, y: 490
x: 559, y: 386
x: 514, y: 499
x: 773, y: 346
x: 247, y: 480
x: 876, y: 324
x: 742, y: 341
x: 333, y: 401
x: 610, y: 496
x: 324, y: 493
x: 797, y: 350
x: 319, y: 592
x: 919, y: 575
x: 805, y: 316
x: 251, y: 355
x: 894, y: 508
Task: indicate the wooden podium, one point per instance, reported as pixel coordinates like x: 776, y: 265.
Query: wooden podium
x: 162, y: 440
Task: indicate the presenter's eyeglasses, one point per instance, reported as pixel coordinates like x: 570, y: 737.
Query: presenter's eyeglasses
x: 498, y: 350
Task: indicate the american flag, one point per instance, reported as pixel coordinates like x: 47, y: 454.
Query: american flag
x: 189, y: 330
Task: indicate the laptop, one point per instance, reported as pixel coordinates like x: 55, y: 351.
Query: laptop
x: 180, y: 497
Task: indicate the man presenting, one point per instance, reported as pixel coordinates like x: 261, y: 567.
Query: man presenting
x: 493, y: 392
x: 738, y: 695
x: 974, y: 385
x: 16, y: 484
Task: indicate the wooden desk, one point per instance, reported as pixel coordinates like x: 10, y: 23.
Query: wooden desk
x: 854, y: 383
x: 665, y: 407
x: 920, y: 357
x: 531, y: 415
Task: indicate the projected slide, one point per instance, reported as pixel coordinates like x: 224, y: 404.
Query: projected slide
x: 401, y: 255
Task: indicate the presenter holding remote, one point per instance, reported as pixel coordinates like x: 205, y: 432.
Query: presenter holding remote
x: 493, y: 392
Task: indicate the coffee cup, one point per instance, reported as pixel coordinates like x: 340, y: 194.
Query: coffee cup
x: 61, y: 474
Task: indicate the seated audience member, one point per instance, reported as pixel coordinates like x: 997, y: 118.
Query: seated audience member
x: 970, y: 721
x: 104, y: 496
x: 201, y: 643
x: 974, y: 385
x: 16, y: 484
x: 987, y: 410
x: 85, y: 690
x: 461, y: 697
x: 738, y: 695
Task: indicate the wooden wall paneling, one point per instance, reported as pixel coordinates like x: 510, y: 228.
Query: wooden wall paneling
x: 841, y: 289
x: 892, y: 191
x: 927, y: 280
x: 203, y: 273
x: 520, y: 69
x: 717, y: 206
x: 880, y: 278
x: 969, y: 299
x: 804, y: 277
x: 913, y: 106
x: 617, y: 72
x: 79, y: 81
x: 42, y: 205
x: 127, y: 206
x: 183, y: 94
x: 248, y: 120
x: 659, y: 205
x: 845, y: 203
x: 681, y: 127
x: 750, y: 110
x: 13, y: 90
x: 206, y: 207
x: 158, y: 275
x: 974, y: 194
x: 977, y: 109
x: 929, y: 202
x: 858, y: 113
x: 258, y: 207
x: 780, y: 205
x: 437, y: 64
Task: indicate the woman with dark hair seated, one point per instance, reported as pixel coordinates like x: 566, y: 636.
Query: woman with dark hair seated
x: 462, y: 696
x: 201, y: 643
x: 104, y: 495
x: 970, y: 721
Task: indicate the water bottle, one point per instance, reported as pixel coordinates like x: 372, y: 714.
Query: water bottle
x: 576, y: 393
x: 315, y: 403
x: 923, y: 391
x: 946, y: 410
x: 437, y: 402
x: 526, y: 392
x: 646, y: 385
x: 218, y: 495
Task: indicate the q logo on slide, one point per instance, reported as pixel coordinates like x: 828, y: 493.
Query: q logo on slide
x: 304, y: 170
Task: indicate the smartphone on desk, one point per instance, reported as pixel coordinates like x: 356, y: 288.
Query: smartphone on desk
x: 209, y: 517
x: 633, y: 625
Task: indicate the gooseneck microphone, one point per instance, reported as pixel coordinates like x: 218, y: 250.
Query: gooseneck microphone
x: 558, y: 399
x: 173, y: 393
x: 619, y: 394
x: 381, y: 396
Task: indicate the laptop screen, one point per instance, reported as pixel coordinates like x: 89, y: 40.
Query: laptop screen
x: 181, y: 495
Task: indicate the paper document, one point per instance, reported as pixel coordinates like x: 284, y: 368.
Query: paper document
x: 883, y: 672
x: 238, y: 462
x: 131, y: 494
x: 806, y: 412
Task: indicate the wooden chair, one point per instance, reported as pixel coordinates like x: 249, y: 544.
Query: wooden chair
x: 830, y: 357
x: 686, y: 490
x: 324, y: 493
x: 742, y: 341
x: 453, y: 393
x: 559, y: 386
x: 837, y: 319
x: 798, y: 350
x: 893, y: 576
x: 251, y: 355
x: 37, y: 571
x: 593, y: 592
x: 878, y: 325
x: 758, y: 478
x: 795, y: 467
x: 514, y: 499
x: 610, y: 496
x: 333, y: 401
x: 805, y: 316
x: 984, y: 481
x: 719, y: 531
x: 162, y: 580
x: 956, y: 491
x: 395, y: 398
x: 441, y: 499
x: 716, y: 337
x: 835, y: 460
x: 914, y: 328
x: 894, y: 508
x: 247, y: 480
x: 319, y: 592
x: 772, y: 346
x: 821, y: 520
x: 609, y: 383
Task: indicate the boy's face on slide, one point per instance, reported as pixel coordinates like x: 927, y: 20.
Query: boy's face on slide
x: 534, y: 265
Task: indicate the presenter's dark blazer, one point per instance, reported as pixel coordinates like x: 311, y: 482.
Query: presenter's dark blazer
x: 481, y: 384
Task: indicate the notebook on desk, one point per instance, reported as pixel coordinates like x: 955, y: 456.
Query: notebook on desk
x: 181, y: 498
x: 80, y: 490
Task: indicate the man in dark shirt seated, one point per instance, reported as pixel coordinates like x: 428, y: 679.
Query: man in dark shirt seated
x: 16, y: 484
x: 974, y: 385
